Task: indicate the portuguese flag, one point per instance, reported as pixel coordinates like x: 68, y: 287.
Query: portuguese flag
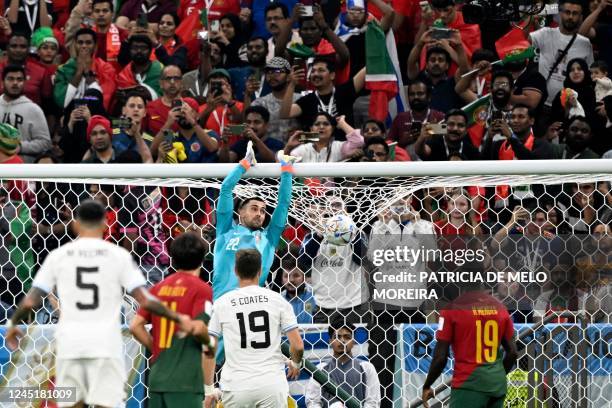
x: 381, y: 78
x: 477, y: 118
x: 189, y: 27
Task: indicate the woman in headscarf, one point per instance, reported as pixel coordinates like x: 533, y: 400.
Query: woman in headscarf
x: 577, y: 81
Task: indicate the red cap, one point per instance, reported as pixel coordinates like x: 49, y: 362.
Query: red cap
x: 193, y: 104
x: 98, y: 120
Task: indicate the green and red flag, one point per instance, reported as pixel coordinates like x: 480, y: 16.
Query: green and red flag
x: 381, y: 78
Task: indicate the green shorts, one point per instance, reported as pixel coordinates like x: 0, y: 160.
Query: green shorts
x: 175, y: 400
x: 474, y: 399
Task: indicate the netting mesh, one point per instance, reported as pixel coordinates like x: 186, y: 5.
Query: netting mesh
x: 331, y: 266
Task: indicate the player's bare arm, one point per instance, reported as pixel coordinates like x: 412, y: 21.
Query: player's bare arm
x: 150, y: 303
x: 511, y: 354
x: 438, y: 363
x: 140, y: 333
x: 296, y: 347
x: 32, y: 300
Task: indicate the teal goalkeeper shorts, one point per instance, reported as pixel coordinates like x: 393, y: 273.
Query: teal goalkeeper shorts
x: 473, y: 399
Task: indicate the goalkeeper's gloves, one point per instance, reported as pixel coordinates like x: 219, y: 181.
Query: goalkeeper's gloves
x: 287, y: 160
x: 249, y: 157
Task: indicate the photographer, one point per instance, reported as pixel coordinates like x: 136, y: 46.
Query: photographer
x: 199, y: 145
x: 255, y: 129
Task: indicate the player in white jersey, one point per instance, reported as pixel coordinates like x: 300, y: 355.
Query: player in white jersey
x: 251, y: 320
x: 90, y: 275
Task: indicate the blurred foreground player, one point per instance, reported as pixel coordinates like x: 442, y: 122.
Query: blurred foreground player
x: 175, y: 380
x: 475, y: 325
x: 89, y: 275
x: 252, y: 321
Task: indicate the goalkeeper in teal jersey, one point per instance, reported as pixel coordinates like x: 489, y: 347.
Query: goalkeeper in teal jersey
x: 248, y: 233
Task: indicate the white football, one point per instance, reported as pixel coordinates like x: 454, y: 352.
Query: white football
x: 339, y: 229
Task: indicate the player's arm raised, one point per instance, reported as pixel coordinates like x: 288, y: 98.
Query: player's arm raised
x: 225, y: 203
x: 278, y: 222
x: 32, y: 300
x: 438, y: 363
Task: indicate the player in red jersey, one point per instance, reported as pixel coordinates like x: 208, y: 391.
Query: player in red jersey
x: 175, y: 380
x: 475, y: 325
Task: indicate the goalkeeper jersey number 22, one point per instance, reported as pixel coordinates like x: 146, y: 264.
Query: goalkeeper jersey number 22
x: 231, y: 236
x: 475, y: 324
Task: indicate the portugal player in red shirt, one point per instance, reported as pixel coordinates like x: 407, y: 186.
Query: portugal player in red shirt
x: 475, y: 325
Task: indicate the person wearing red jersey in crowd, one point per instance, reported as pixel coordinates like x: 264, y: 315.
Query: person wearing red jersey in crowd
x: 460, y: 218
x: 218, y: 8
x: 475, y: 325
x: 153, y: 9
x: 176, y: 378
x: 169, y: 49
x: 99, y: 17
x: 38, y: 85
x: 220, y: 109
x: 84, y: 71
x: 171, y: 84
x: 446, y: 11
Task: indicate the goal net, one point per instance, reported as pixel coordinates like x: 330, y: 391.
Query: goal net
x: 383, y: 247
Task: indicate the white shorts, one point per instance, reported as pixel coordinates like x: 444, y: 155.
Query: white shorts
x: 98, y: 381
x: 264, y: 397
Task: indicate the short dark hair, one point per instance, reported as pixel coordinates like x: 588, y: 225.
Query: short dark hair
x: 134, y: 94
x: 139, y: 38
x: 13, y: 68
x: 420, y: 82
x: 91, y: 212
x: 376, y: 140
x: 277, y: 5
x: 258, y: 38
x: 483, y: 54
x: 248, y: 263
x: 331, y: 66
x: 502, y: 73
x: 579, y: 119
x: 86, y: 31
x: 530, y: 112
x: 249, y: 199
x: 338, y: 324
x: 110, y: 2
x: 16, y: 34
x: 575, y: 2
x: 438, y: 50
x: 600, y: 65
x: 457, y: 112
x: 187, y: 251
x: 260, y: 110
x: 440, y: 4
x: 329, y: 117
x: 171, y: 66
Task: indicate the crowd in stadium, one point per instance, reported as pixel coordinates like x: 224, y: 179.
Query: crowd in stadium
x: 165, y: 81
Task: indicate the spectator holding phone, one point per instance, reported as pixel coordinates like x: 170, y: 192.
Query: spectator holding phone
x: 220, y: 109
x: 255, y: 129
x: 129, y: 134
x: 171, y: 84
x: 200, y: 145
x: 248, y: 82
x: 440, y: 142
x: 406, y: 126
